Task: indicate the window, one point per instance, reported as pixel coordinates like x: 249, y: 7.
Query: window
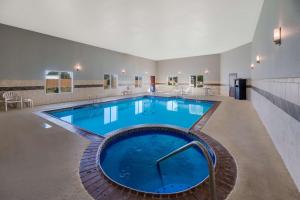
x: 138, y: 81
x: 110, y: 81
x: 58, y: 82
x: 114, y: 81
x: 172, y: 80
x: 200, y: 81
x: 196, y: 81
x: 65, y: 82
x: 193, y: 81
x: 106, y: 83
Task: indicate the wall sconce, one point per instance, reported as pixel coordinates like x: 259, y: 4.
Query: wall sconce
x: 206, y: 71
x: 257, y: 59
x: 179, y: 72
x: 146, y: 72
x: 277, y: 36
x: 123, y: 71
x: 252, y: 66
x: 77, y: 68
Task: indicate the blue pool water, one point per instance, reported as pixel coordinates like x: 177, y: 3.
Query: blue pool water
x: 103, y: 118
x: 131, y: 161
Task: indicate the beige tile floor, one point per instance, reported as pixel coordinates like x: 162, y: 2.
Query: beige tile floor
x: 38, y: 163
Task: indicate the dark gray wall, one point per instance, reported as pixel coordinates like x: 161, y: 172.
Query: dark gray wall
x: 278, y: 61
x: 25, y: 55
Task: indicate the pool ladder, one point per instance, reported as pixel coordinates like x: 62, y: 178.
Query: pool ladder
x: 212, y: 182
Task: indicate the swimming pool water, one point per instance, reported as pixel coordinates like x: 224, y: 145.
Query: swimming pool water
x: 131, y: 161
x: 102, y: 118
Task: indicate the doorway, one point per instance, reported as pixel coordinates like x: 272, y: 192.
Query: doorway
x: 152, y: 84
x: 232, y: 77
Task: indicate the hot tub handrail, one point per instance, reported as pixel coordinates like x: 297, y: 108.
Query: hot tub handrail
x: 212, y: 183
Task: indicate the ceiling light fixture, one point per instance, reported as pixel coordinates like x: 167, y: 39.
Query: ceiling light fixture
x: 277, y: 36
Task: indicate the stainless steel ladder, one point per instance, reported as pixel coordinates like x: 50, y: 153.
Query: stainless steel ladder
x: 212, y: 182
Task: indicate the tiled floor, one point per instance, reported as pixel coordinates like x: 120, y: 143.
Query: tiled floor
x: 38, y: 163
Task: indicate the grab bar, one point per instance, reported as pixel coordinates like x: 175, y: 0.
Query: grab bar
x: 212, y: 182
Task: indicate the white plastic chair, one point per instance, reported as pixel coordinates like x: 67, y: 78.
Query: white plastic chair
x: 127, y: 91
x: 12, y: 98
x: 207, y: 91
x: 187, y: 91
x: 177, y: 91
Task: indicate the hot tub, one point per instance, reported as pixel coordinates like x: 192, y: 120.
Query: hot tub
x: 129, y: 159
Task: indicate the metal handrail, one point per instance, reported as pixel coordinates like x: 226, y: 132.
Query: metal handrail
x: 212, y: 183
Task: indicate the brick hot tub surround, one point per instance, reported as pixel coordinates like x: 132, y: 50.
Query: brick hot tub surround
x: 99, y: 187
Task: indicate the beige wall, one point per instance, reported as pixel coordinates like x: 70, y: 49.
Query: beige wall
x: 190, y: 66
x: 185, y: 67
x: 40, y: 97
x: 238, y: 61
x: 26, y: 55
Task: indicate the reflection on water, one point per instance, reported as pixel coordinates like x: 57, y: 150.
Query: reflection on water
x: 172, y: 105
x: 196, y: 109
x: 110, y: 114
x: 68, y: 118
x: 138, y: 107
x: 106, y: 117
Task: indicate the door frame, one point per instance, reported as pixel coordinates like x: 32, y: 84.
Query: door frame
x: 232, y: 87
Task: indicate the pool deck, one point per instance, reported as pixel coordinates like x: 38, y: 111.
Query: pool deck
x: 43, y: 163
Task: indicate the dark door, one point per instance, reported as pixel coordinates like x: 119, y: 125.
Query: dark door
x: 152, y: 83
x: 232, y: 77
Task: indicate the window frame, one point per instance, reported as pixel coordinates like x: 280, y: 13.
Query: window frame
x: 111, y: 77
x: 199, y: 86
x: 139, y: 81
x: 172, y: 78
x: 196, y: 85
x: 59, y: 82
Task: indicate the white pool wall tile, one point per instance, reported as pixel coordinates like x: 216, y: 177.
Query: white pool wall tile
x: 282, y: 127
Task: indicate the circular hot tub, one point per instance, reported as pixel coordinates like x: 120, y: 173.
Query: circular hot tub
x: 129, y: 159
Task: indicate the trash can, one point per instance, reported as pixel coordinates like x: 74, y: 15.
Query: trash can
x: 240, y: 89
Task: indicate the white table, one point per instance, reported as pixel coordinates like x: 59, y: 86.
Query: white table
x: 207, y: 91
x: 29, y: 102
